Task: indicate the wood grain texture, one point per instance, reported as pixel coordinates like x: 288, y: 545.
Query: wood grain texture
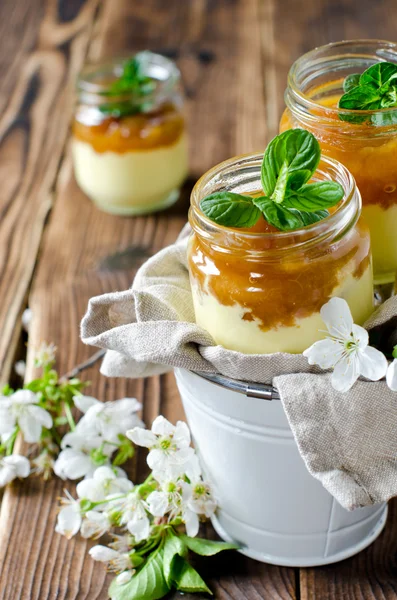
x: 85, y: 252
x: 43, y: 54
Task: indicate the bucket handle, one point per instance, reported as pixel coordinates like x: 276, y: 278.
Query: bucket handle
x: 251, y: 390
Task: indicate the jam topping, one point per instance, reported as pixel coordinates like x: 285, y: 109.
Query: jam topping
x: 142, y: 131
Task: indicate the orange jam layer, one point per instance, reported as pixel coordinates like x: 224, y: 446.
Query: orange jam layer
x: 278, y: 293
x: 135, y: 132
x: 372, y: 161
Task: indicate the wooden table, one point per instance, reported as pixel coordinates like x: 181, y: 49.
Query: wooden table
x: 57, y: 250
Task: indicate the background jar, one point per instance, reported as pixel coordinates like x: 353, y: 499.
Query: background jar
x: 367, y: 149
x: 130, y: 150
x: 262, y: 292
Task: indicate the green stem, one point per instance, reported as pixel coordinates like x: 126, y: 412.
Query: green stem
x: 11, y: 441
x: 69, y: 416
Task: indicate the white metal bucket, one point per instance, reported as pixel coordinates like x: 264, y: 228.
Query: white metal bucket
x: 268, y: 501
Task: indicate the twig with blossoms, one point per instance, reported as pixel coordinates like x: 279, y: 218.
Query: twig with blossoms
x: 41, y: 413
x: 153, y: 524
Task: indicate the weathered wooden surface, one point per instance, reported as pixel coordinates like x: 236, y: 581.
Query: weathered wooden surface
x: 234, y: 55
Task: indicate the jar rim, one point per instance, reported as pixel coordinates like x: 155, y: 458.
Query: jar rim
x: 345, y: 215
x: 159, y: 68
x: 313, y: 56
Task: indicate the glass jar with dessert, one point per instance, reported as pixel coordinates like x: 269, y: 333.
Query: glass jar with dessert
x: 346, y: 94
x: 129, y: 142
x: 275, y: 236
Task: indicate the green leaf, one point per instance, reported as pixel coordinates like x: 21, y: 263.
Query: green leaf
x: 351, y: 81
x: 186, y: 579
x: 315, y: 196
x: 230, y: 210
x: 308, y: 218
x: 379, y: 74
x: 281, y: 184
x: 362, y: 97
x: 278, y: 216
x: 173, y: 547
x: 296, y: 148
x: 147, y: 584
x: 206, y: 547
x: 394, y: 354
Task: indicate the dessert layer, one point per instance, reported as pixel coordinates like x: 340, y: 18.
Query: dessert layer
x: 383, y: 228
x: 229, y: 328
x: 130, y: 179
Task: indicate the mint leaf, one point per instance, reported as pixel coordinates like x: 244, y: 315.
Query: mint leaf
x: 308, y: 218
x: 379, y: 74
x: 278, y: 216
x: 230, y: 210
x: 281, y: 184
x: 147, y: 584
x: 174, y: 546
x: 295, y: 149
x: 351, y: 81
x: 206, y: 547
x: 315, y: 196
x: 376, y: 89
x: 186, y: 579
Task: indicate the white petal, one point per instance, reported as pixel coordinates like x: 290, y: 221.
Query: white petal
x: 69, y: 521
x: 373, y: 364
x: 157, y: 503
x: 142, y: 437
x: 103, y: 553
x: 72, y: 465
x: 361, y: 336
x: 121, y: 486
x: 90, y: 489
x: 345, y: 374
x: 191, y: 522
x: 162, y: 427
x: 31, y: 428
x: 7, y: 474
x: 192, y: 468
x: 157, y: 460
x: 95, y: 524
x: 139, y: 528
x: 24, y: 397
x: 83, y: 403
x: 20, y: 464
x: 104, y: 473
x: 325, y: 353
x: 124, y: 577
x: 391, y: 376
x: 181, y: 435
x: 7, y: 421
x: 123, y: 406
x: 337, y: 317
x: 41, y: 415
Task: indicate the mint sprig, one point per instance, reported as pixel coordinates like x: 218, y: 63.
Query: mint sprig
x: 133, y: 82
x: 374, y: 89
x: 167, y: 567
x: 289, y: 201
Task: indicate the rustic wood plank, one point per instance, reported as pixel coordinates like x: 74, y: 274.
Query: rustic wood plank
x: 86, y: 252
x: 40, y: 54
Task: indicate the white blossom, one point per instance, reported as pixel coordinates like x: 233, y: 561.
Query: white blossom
x: 173, y: 500
x: 27, y: 318
x: 132, y: 514
x: 12, y: 467
x: 95, y: 524
x: 104, y: 482
x: 391, y: 375
x: 70, y: 517
x: 202, y: 500
x: 76, y: 459
x: 345, y: 349
x: 122, y: 543
x: 116, y: 562
x: 108, y: 419
x: 20, y: 368
x: 43, y: 464
x: 169, y: 447
x: 45, y: 354
x: 21, y: 409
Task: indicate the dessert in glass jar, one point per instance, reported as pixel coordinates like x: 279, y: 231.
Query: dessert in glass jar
x: 259, y: 279
x: 346, y: 94
x: 129, y: 141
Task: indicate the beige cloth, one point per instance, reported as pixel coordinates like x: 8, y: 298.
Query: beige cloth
x: 348, y: 441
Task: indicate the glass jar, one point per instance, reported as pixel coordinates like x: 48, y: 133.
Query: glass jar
x: 261, y: 292
x: 130, y: 150
x: 367, y: 149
